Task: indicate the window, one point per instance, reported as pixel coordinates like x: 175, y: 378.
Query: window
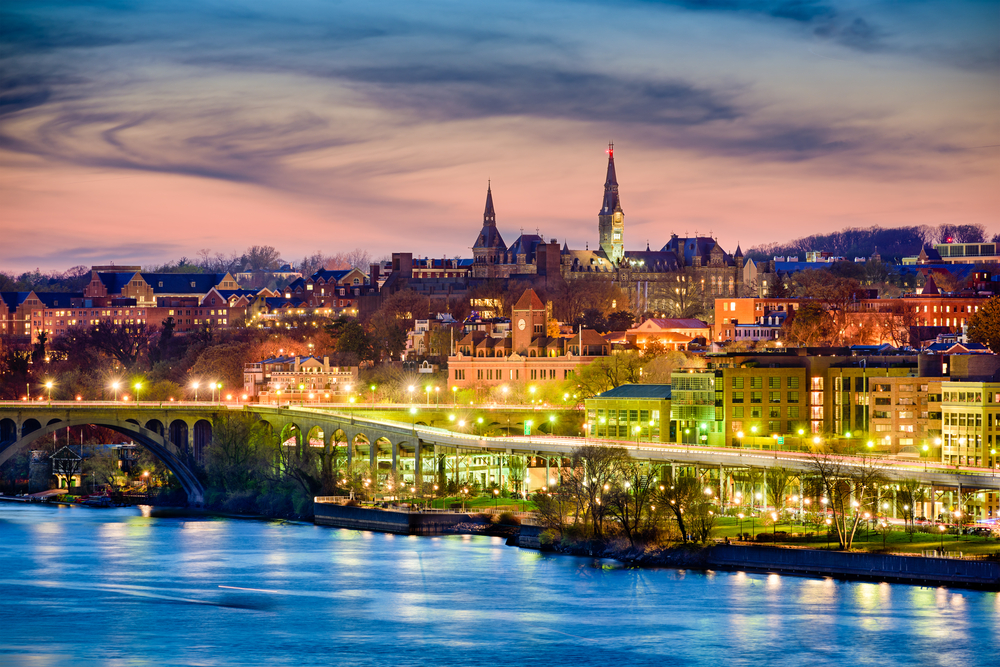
x: 737, y: 383
x: 737, y: 397
x: 774, y: 397
x: 756, y: 396
x: 774, y: 412
x: 793, y: 397
x: 793, y: 412
x: 756, y: 382
x: 738, y: 411
x: 793, y: 383
x: 774, y: 382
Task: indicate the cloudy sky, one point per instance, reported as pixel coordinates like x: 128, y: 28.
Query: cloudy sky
x: 139, y: 131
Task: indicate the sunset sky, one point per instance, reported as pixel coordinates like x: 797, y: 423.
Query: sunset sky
x: 139, y: 132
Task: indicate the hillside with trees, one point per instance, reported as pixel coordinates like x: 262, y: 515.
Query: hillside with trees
x: 892, y: 243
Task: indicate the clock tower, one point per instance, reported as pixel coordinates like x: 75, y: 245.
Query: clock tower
x: 611, y: 219
x: 527, y: 321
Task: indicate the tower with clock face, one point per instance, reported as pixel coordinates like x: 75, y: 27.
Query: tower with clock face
x: 527, y: 321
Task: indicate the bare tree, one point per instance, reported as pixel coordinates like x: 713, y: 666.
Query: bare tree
x: 592, y: 471
x: 910, y: 493
x: 630, y: 498
x: 848, y: 483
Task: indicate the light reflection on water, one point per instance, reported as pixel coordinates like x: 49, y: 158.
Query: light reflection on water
x: 86, y: 587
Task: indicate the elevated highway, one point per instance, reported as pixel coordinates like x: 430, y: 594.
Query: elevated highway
x: 177, y: 433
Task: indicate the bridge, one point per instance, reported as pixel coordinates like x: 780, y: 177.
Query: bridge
x: 178, y: 433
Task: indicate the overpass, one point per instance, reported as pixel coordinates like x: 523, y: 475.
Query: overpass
x: 178, y: 433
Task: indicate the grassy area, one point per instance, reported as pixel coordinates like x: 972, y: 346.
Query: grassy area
x: 481, y: 502
x: 895, y: 540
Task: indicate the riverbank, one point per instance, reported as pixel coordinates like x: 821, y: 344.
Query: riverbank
x: 979, y: 574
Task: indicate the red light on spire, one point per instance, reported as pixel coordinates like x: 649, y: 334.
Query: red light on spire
x: 611, y: 149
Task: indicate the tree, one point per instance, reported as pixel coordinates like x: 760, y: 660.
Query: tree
x: 356, y: 341
x: 910, y: 494
x: 125, y: 342
x: 777, y: 481
x: 984, y: 325
x: 629, y: 498
x: 809, y: 325
x: 261, y: 258
x: 592, y: 471
x: 848, y: 484
x: 605, y: 373
x: 620, y: 320
x: 237, y: 457
x: 223, y: 363
x: 683, y: 497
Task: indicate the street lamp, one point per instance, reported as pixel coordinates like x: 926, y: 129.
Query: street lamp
x: 774, y: 527
x: 926, y: 456
x: 373, y: 395
x: 740, y: 515
x: 437, y: 396
x: 48, y: 385
x: 115, y: 385
x: 138, y: 386
x: 410, y: 389
x: 828, y: 522
x: 637, y: 430
x: 941, y: 528
x: 454, y: 395
x: 194, y: 385
x: 496, y: 496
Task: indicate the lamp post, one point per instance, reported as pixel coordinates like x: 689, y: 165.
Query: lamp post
x: 496, y: 497
x: 739, y: 436
x: 454, y: 395
x: 774, y: 527
x: 373, y: 395
x: 410, y: 389
x: 828, y: 522
x: 194, y: 385
x: 138, y: 386
x: 740, y: 515
x: 48, y: 385
x: 437, y: 396
x: 941, y: 529
x: 926, y: 456
x: 115, y: 385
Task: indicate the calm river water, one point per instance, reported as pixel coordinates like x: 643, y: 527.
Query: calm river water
x: 82, y: 586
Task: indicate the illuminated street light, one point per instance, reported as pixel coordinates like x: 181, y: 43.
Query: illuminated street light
x: 48, y: 385
x: 138, y: 386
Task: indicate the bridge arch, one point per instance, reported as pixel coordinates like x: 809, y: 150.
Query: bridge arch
x: 202, y: 437
x: 155, y: 425
x: 30, y: 426
x: 162, y: 449
x: 179, y: 435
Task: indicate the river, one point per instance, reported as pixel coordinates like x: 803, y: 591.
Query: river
x: 82, y: 586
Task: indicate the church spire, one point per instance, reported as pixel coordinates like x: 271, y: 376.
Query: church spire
x: 611, y: 202
x: 489, y: 215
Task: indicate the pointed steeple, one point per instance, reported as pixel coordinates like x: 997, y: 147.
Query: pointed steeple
x: 611, y: 202
x: 738, y: 253
x: 489, y: 215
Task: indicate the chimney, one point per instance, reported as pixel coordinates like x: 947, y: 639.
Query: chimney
x: 326, y: 364
x: 374, y: 271
x: 296, y: 367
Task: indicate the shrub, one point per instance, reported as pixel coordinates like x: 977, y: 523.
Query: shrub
x: 508, y: 519
x: 547, y: 537
x: 241, y: 502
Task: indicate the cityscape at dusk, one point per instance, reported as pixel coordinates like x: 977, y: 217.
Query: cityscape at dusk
x: 436, y: 333
x: 310, y: 124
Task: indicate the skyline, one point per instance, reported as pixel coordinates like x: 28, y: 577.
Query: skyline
x: 140, y: 133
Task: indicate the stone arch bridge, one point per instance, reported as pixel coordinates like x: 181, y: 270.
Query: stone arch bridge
x: 179, y: 433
